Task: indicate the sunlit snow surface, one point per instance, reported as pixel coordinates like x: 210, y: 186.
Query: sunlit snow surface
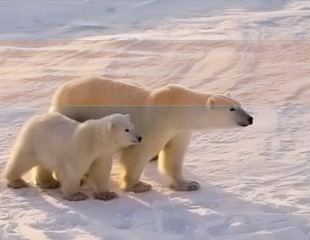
x: 255, y: 181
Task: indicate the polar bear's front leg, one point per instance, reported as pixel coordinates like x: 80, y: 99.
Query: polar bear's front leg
x: 99, y: 174
x: 132, y: 161
x: 171, y: 162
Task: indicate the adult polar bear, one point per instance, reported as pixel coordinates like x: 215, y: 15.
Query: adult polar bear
x: 165, y: 117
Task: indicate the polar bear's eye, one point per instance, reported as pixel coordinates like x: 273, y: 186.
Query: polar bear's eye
x: 232, y: 109
x: 127, y: 130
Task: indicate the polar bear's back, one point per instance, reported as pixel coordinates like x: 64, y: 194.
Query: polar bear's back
x: 98, y: 91
x: 50, y: 122
x: 80, y: 99
x: 46, y: 131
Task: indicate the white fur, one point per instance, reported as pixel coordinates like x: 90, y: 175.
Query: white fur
x: 53, y: 143
x: 166, y: 129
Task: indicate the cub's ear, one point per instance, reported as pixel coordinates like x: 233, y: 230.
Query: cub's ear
x: 111, y: 125
x: 227, y: 94
x: 128, y: 116
x: 211, y: 102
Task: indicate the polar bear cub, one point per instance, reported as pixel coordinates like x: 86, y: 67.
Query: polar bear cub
x: 56, y: 146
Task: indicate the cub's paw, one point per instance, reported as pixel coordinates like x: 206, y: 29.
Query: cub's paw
x: 154, y: 159
x: 19, y: 183
x: 139, y: 187
x: 51, y: 184
x: 186, y: 186
x: 105, y: 196
x: 76, y: 197
x: 83, y: 181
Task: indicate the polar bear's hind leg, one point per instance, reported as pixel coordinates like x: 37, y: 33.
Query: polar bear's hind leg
x: 18, y: 165
x: 70, y: 185
x: 44, y: 178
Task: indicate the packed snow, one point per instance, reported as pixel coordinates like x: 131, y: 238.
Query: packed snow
x: 255, y: 180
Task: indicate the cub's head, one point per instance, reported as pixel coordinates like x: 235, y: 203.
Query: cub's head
x: 122, y: 130
x: 223, y: 111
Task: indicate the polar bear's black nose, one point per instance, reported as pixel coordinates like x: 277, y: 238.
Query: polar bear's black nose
x: 250, y: 120
x: 139, y: 139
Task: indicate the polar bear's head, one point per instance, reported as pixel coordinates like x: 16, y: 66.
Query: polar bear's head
x: 122, y: 131
x: 223, y: 111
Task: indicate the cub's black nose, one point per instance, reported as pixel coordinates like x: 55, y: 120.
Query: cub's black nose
x: 139, y: 139
x: 250, y: 120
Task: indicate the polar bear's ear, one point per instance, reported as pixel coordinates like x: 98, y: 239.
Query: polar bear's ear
x: 111, y: 125
x: 211, y: 102
x: 227, y: 94
x: 128, y: 116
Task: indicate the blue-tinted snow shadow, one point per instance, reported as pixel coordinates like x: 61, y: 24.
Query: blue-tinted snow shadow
x: 75, y: 20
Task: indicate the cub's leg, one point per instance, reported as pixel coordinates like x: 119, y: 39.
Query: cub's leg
x: 132, y: 162
x: 171, y: 162
x: 70, y: 184
x: 44, y: 178
x: 19, y: 164
x: 99, y: 174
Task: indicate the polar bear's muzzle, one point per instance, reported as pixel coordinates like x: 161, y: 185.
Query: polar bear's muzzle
x: 136, y: 138
x: 248, y: 122
x: 243, y: 118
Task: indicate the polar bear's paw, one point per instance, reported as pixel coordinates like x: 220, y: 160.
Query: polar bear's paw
x: 154, y: 159
x: 83, y: 180
x: 139, y: 187
x: 106, y: 196
x: 186, y: 186
x: 76, y: 197
x: 51, y: 184
x: 19, y: 183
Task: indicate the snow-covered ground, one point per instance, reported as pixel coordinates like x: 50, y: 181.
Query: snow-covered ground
x: 214, y: 19
x: 255, y: 180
